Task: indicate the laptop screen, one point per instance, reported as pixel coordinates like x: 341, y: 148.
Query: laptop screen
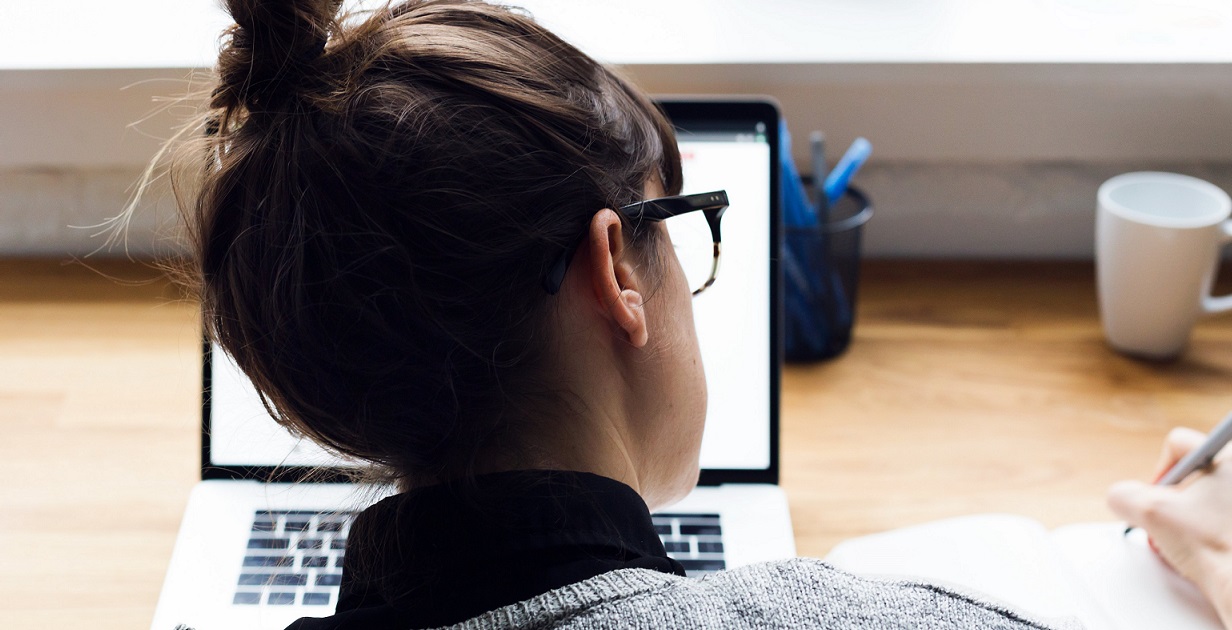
x: 724, y: 146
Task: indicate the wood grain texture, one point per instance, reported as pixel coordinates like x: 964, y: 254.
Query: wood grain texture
x: 975, y: 387
x: 970, y: 387
x: 99, y: 408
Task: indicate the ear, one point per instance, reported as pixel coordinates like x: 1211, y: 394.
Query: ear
x: 614, y: 278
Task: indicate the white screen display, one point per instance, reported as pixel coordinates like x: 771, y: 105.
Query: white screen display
x: 242, y: 433
x: 732, y: 319
x: 733, y: 315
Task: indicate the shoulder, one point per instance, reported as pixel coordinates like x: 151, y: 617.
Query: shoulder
x: 789, y: 594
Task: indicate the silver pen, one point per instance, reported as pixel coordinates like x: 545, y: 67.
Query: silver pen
x: 1199, y: 458
x: 817, y: 150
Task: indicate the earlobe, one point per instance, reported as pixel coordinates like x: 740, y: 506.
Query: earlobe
x: 635, y: 327
x: 614, y: 279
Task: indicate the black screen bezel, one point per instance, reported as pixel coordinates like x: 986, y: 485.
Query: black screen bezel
x: 704, y: 114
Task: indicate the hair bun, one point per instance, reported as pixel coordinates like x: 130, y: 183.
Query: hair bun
x: 268, y: 53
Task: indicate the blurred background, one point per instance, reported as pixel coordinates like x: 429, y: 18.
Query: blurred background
x: 993, y: 122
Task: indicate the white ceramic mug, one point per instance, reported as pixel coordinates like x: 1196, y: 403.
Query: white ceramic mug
x: 1158, y: 238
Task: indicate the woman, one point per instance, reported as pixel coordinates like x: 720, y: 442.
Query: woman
x: 433, y: 238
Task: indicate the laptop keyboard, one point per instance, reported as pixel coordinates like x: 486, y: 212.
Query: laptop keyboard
x: 295, y: 556
x: 694, y: 540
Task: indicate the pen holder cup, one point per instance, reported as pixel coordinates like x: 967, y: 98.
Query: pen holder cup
x: 821, y: 274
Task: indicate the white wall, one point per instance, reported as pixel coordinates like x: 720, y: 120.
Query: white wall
x: 992, y: 122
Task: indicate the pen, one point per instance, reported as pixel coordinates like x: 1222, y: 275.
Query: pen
x: 855, y: 157
x: 817, y: 145
x: 1199, y: 458
x: 797, y: 211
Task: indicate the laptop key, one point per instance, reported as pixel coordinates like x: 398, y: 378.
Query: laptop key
x: 329, y: 526
x: 297, y: 525
x: 309, y: 543
x: 676, y: 547
x: 268, y: 543
x: 702, y: 565
x: 663, y: 530
x: 709, y: 547
x: 337, y: 543
x: 268, y: 561
x: 290, y: 579
x: 700, y: 530
x: 246, y: 599
x: 316, y: 599
x: 255, y: 579
x: 315, y: 561
x: 329, y: 579
x: 281, y: 599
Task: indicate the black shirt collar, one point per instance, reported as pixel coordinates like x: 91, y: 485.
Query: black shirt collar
x: 444, y: 554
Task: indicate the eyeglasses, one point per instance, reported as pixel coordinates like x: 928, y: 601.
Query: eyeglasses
x: 692, y: 224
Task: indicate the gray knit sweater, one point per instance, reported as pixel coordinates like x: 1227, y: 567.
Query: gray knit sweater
x: 801, y: 593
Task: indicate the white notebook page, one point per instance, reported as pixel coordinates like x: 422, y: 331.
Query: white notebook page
x: 999, y: 558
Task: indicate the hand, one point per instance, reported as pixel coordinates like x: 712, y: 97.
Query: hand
x: 1190, y: 524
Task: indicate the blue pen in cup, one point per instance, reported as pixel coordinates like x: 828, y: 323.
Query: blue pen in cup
x: 821, y: 257
x: 838, y: 179
x: 796, y: 208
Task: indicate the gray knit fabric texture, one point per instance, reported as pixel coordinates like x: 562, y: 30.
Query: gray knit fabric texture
x: 800, y: 593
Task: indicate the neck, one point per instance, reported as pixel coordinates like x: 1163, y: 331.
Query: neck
x: 593, y: 428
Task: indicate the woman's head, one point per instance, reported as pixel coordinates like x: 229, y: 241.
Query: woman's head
x: 376, y: 201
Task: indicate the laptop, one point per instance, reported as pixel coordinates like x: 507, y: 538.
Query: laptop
x: 264, y: 533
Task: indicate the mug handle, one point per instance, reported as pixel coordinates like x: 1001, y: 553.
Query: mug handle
x: 1218, y: 304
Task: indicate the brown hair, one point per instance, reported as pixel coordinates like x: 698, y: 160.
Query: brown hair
x: 380, y: 199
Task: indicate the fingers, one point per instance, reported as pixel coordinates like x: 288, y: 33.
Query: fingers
x: 1138, y: 504
x: 1188, y: 525
x: 1180, y: 442
x: 1141, y: 506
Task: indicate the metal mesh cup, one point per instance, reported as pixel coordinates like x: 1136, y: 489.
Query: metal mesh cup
x: 821, y: 269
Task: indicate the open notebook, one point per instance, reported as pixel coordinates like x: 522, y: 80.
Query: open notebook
x: 1091, y: 571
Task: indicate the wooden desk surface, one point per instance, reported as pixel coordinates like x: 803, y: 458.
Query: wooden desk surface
x: 970, y: 387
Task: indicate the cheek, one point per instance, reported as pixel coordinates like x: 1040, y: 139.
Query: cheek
x: 681, y: 351
x: 691, y: 375
x: 672, y: 272
x: 692, y: 353
x: 681, y: 380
